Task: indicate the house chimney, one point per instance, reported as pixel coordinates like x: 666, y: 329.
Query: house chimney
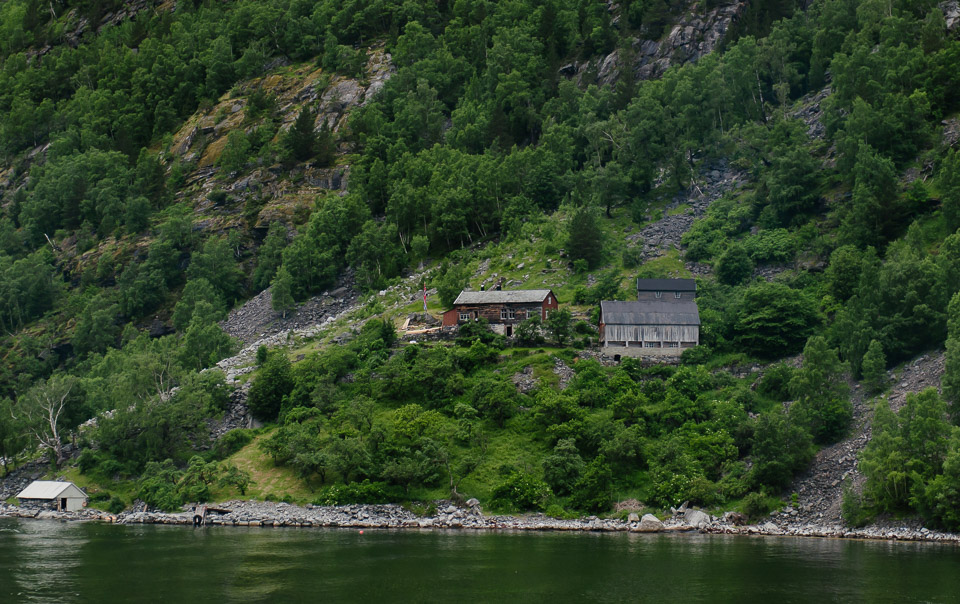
x: 499, y: 284
x: 483, y: 287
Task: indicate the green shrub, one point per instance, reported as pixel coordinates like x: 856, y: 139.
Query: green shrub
x: 88, y: 460
x: 852, y: 507
x: 770, y: 245
x: 874, y: 367
x: 273, y: 382
x: 99, y: 497
x: 520, y: 491
x: 780, y: 449
x: 774, y: 320
x: 821, y: 392
x: 359, y: 492
x: 218, y: 196
x: 555, y: 510
x: 231, y: 442
x: 632, y: 257
x: 476, y: 331
x: 594, y: 490
x: 116, y: 505
x: 756, y: 506
x: 562, y: 468
x: 698, y: 355
x: 734, y: 266
x: 110, y: 467
x: 775, y: 383
x: 583, y: 328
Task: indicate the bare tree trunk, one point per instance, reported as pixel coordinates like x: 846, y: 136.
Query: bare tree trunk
x: 42, y: 408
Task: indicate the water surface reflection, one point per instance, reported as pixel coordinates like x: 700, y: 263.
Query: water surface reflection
x: 52, y: 561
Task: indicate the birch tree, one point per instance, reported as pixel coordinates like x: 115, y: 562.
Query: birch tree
x: 41, y: 410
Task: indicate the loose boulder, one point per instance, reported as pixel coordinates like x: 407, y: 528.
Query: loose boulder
x: 650, y: 524
x: 735, y: 518
x: 696, y: 518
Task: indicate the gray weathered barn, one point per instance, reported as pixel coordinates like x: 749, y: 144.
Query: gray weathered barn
x: 54, y: 495
x: 649, y: 328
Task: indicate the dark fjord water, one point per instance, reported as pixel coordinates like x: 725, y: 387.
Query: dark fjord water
x: 72, y: 562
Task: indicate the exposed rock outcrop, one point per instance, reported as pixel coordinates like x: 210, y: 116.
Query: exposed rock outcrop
x: 272, y: 193
x: 257, y: 319
x: 810, y: 112
x: 951, y: 14
x: 525, y: 381
x: 694, y: 35
x: 564, y: 372
x: 18, y: 479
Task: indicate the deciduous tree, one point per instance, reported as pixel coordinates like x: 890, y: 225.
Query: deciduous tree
x: 43, y: 408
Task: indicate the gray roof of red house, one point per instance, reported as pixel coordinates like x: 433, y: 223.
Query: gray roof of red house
x: 666, y: 285
x: 649, y: 313
x: 515, y: 296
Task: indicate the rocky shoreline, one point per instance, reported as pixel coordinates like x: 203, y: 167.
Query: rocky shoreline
x: 449, y: 516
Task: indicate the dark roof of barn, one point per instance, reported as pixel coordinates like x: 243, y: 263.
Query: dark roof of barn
x: 666, y: 285
x: 649, y: 313
x: 514, y: 296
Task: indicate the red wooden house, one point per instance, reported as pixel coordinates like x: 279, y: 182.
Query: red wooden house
x: 502, y: 309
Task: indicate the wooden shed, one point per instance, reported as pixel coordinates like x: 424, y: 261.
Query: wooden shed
x: 649, y: 328
x: 54, y: 495
x: 503, y: 310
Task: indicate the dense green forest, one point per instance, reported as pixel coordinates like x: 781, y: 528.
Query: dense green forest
x: 478, y: 146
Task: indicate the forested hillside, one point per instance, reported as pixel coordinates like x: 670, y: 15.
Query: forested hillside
x: 161, y: 163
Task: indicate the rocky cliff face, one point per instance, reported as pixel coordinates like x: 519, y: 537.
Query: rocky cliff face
x: 695, y: 34
x: 76, y: 25
x: 281, y: 193
x: 951, y: 13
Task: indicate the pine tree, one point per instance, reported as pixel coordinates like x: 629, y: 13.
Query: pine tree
x: 270, y: 255
x: 584, y: 238
x: 874, y: 367
x: 821, y: 393
x: 301, y: 140
x: 951, y: 371
x: 282, y: 291
x: 950, y: 190
x: 325, y: 146
x: 236, y: 152
x: 419, y: 247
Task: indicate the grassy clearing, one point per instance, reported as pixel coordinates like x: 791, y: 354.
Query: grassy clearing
x: 268, y: 479
x: 92, y: 485
x: 667, y: 266
x: 512, y: 447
